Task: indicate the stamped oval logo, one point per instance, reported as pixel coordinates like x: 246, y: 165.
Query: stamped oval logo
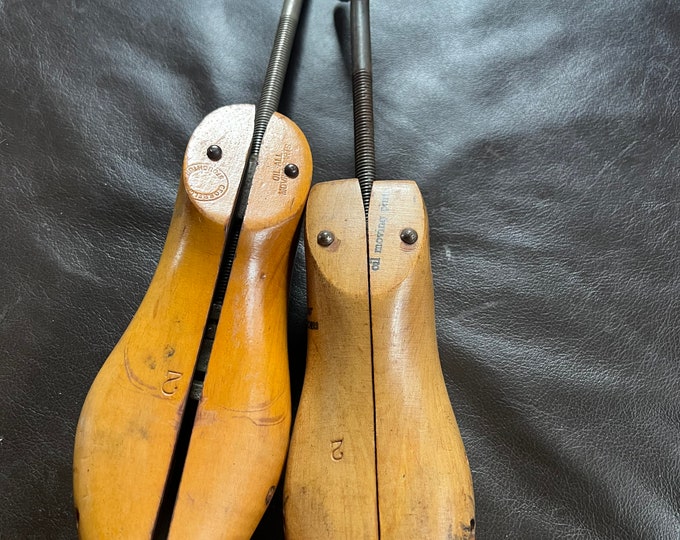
x: 206, y: 182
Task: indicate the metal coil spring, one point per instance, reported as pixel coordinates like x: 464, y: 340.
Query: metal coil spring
x: 274, y: 79
x: 364, y: 145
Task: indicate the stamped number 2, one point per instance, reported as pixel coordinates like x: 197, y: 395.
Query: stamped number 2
x: 336, y: 449
x: 170, y: 385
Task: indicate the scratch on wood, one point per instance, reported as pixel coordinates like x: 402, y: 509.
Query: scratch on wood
x: 259, y: 406
x: 266, y: 421
x: 132, y: 377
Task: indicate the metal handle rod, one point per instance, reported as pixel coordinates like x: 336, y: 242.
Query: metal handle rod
x: 362, y: 90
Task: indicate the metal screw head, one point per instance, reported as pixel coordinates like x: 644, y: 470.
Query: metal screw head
x: 408, y: 236
x: 291, y: 170
x: 325, y: 238
x: 214, y: 152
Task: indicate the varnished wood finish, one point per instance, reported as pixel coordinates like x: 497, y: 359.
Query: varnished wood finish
x: 129, y: 422
x: 242, y: 427
x: 424, y: 481
x: 420, y: 471
x: 330, y: 478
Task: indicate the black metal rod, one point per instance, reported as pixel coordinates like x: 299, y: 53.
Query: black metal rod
x: 270, y: 96
x: 276, y: 70
x: 362, y: 90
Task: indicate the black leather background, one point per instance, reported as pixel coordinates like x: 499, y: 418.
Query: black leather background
x: 545, y: 135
